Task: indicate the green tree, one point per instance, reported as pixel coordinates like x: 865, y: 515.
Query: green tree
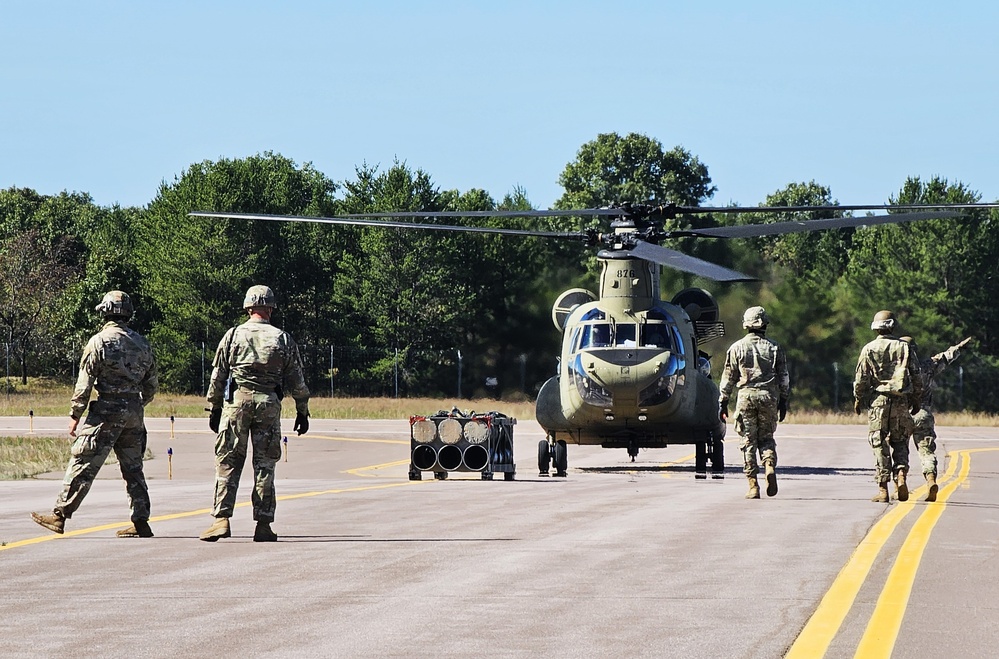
x: 403, y: 292
x: 45, y: 254
x: 196, y: 270
x: 938, y: 275
x: 34, y: 274
x: 515, y: 281
x: 805, y: 296
x: 613, y: 170
x: 635, y: 168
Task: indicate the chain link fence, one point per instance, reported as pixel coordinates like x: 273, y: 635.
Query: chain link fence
x: 340, y: 371
x: 346, y: 371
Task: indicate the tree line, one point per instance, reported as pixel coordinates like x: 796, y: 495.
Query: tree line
x: 394, y: 311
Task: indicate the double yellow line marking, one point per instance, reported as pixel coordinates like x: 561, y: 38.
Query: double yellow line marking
x: 882, y: 628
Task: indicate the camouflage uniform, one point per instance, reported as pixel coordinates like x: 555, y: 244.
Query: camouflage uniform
x: 119, y: 364
x: 264, y: 364
x: 924, y: 433
x: 759, y: 367
x: 887, y: 383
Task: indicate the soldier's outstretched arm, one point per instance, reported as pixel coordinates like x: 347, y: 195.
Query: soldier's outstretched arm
x: 951, y: 353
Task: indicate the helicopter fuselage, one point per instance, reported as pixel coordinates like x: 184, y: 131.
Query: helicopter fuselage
x: 630, y: 374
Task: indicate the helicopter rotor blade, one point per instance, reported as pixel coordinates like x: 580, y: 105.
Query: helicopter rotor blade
x: 827, y: 207
x: 801, y: 226
x: 671, y: 258
x: 583, y: 212
x: 670, y: 210
x: 358, y: 221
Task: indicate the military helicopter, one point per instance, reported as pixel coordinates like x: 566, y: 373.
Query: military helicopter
x: 631, y: 372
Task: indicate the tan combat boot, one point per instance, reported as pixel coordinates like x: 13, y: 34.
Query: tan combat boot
x: 931, y: 484
x: 263, y: 533
x: 136, y: 530
x: 882, y: 495
x: 771, y: 479
x: 220, y: 529
x: 754, y: 488
x: 901, y: 489
x: 54, y: 522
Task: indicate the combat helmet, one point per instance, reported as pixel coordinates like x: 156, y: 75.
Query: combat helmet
x: 884, y: 321
x: 755, y: 318
x: 259, y: 296
x: 908, y: 339
x: 115, y: 304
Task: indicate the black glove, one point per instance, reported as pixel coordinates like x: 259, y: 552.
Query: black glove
x: 723, y: 411
x: 781, y: 409
x: 301, y: 423
x: 856, y: 406
x: 214, y: 417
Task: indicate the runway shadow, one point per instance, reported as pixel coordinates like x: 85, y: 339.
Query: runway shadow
x: 367, y: 539
x: 729, y: 470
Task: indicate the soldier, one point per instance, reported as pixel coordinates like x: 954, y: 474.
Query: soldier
x: 759, y: 367
x: 888, y: 385
x: 118, y: 362
x: 254, y: 366
x: 923, y: 431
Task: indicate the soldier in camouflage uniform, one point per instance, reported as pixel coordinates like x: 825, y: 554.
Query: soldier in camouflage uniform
x: 119, y: 364
x: 924, y: 431
x: 255, y: 365
x: 759, y: 366
x: 888, y: 386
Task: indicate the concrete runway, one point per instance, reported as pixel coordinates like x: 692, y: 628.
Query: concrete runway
x: 617, y: 560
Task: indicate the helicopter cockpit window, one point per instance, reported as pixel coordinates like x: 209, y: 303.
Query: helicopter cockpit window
x: 593, y: 314
x: 626, y: 336
x: 597, y: 335
x: 656, y: 335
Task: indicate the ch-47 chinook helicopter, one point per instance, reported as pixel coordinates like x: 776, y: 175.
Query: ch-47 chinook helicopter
x: 631, y: 373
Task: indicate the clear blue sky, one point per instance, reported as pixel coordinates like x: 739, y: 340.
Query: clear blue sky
x: 113, y: 98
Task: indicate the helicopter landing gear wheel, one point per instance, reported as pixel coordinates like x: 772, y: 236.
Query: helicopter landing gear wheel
x: 717, y: 457
x: 700, y: 460
x: 561, y: 458
x: 544, y: 457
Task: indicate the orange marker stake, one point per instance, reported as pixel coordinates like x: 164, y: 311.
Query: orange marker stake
x: 170, y: 464
x: 171, y: 426
x: 285, y: 440
x: 31, y: 422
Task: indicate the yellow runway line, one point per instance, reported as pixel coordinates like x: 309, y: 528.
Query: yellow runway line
x: 883, y: 627
x: 365, y: 440
x: 359, y: 471
x: 822, y: 627
x: 201, y: 511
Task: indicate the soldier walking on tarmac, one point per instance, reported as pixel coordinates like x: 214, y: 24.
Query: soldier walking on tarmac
x: 888, y: 386
x: 254, y: 366
x: 924, y: 431
x: 119, y: 364
x: 759, y: 366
